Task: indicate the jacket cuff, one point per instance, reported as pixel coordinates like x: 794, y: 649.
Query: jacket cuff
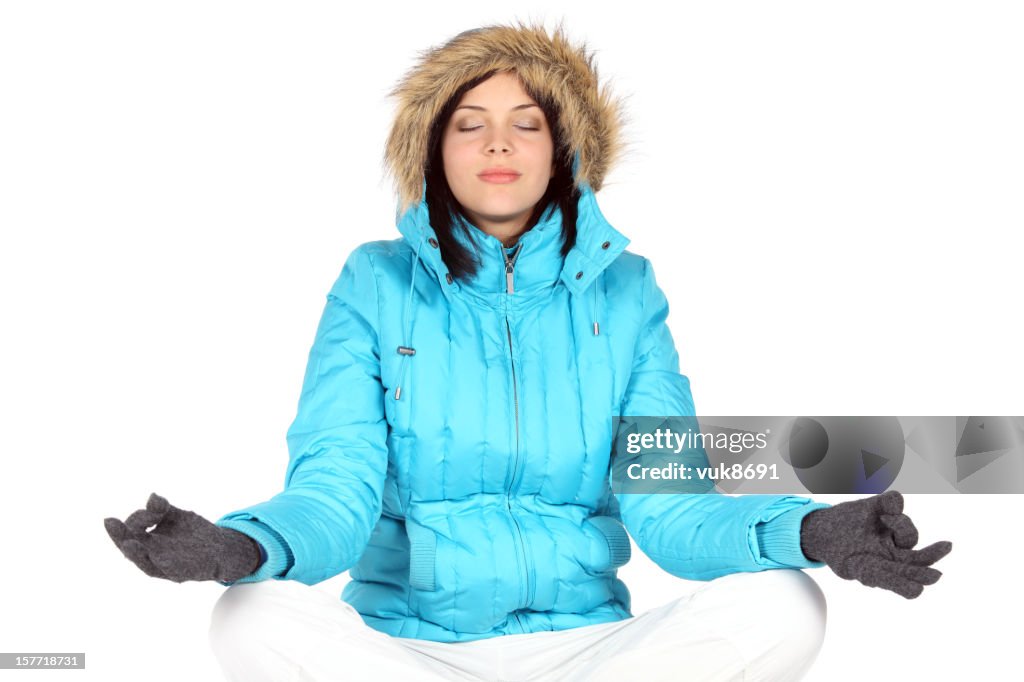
x: 779, y: 538
x: 278, y: 556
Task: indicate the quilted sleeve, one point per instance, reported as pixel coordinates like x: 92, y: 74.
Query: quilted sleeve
x: 320, y: 524
x: 698, y: 535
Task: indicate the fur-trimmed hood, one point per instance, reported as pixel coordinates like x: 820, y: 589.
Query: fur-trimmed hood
x: 549, y: 65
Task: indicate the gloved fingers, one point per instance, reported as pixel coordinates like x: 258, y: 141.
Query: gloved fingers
x: 927, y: 556
x: 134, y: 550
x: 890, y: 502
x: 904, y: 532
x: 142, y: 519
x: 157, y: 504
x: 919, y: 574
x: 115, y: 529
x: 120, y: 533
x: 873, y: 572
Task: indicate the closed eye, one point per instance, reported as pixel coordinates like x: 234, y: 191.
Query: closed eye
x: 469, y: 130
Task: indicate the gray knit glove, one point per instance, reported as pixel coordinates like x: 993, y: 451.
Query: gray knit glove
x: 870, y: 540
x: 183, y: 545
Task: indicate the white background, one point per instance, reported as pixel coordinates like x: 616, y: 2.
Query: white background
x: 830, y: 194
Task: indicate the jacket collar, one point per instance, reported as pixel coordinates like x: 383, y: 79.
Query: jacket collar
x: 538, y: 265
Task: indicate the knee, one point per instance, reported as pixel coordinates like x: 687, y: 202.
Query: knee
x: 795, y: 607
x: 237, y: 613
x: 282, y: 613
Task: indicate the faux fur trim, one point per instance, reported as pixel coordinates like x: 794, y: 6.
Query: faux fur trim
x: 549, y: 65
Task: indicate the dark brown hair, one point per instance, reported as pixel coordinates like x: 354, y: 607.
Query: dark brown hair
x: 444, y: 208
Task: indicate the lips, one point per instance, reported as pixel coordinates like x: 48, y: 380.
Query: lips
x: 499, y: 175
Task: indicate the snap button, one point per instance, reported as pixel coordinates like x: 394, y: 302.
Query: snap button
x: 432, y: 242
x: 579, y: 275
x: 606, y: 245
x: 448, y: 277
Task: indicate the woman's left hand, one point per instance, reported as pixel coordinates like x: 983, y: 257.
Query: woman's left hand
x: 870, y: 540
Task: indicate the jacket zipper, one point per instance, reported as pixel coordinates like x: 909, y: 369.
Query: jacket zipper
x: 509, y: 267
x: 510, y: 263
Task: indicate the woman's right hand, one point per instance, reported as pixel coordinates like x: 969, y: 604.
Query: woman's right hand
x: 183, y: 545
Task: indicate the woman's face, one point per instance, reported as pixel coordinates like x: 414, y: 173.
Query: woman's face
x: 496, y: 125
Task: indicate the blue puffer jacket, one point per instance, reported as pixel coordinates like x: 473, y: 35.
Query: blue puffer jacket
x: 452, y: 442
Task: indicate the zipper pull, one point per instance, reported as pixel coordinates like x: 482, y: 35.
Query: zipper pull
x: 509, y: 266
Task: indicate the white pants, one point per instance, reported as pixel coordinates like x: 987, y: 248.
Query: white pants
x: 767, y: 625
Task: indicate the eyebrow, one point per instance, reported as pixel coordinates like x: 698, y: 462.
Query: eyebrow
x: 479, y: 108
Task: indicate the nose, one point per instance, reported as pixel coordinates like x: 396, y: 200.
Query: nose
x: 498, y: 142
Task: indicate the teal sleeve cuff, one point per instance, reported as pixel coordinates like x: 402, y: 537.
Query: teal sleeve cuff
x: 278, y: 557
x: 779, y: 539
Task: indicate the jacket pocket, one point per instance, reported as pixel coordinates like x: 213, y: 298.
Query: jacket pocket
x: 611, y: 542
x: 422, y: 556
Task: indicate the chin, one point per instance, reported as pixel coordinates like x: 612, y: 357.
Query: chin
x: 500, y: 211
